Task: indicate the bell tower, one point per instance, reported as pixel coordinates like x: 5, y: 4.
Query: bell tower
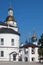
x: 10, y: 20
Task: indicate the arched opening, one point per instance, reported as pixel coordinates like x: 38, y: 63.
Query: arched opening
x: 26, y: 59
x: 33, y: 59
x: 20, y: 58
x: 12, y: 56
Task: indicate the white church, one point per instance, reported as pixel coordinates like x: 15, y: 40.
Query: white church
x: 10, y: 48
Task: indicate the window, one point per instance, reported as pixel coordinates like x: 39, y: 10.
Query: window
x: 26, y: 50
x: 20, y: 51
x: 2, y: 41
x: 33, y: 50
x: 26, y: 59
x: 20, y: 58
x: 33, y: 59
x: 2, y: 53
x: 12, y: 41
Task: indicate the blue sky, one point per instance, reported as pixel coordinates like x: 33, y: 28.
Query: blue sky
x: 28, y: 14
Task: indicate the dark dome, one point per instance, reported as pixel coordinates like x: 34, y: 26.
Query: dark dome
x: 8, y: 30
x: 10, y: 9
x: 10, y: 18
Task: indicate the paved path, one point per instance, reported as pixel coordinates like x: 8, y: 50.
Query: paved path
x: 19, y: 63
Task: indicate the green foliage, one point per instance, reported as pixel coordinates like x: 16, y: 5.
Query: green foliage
x: 40, y: 50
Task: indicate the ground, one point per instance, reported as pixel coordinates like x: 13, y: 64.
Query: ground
x: 20, y: 63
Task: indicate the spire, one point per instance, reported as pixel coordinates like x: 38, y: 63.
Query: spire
x: 10, y: 16
x: 34, y: 37
x: 10, y: 10
x: 34, y: 34
x: 10, y: 3
x: 26, y: 41
x: 29, y: 37
x: 10, y: 20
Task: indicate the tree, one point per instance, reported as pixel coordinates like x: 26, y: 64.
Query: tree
x: 40, y: 50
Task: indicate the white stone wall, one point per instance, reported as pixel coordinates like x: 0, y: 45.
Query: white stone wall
x: 30, y: 55
x: 7, y: 39
x: 7, y: 47
x: 7, y: 51
x: 36, y: 54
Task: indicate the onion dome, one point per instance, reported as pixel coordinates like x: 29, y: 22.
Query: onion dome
x: 10, y: 18
x: 34, y: 37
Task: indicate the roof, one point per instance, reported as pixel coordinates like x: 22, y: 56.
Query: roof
x: 5, y: 24
x: 8, y: 30
x: 10, y: 18
x: 40, y: 58
x: 13, y: 52
x: 2, y: 23
x: 29, y: 45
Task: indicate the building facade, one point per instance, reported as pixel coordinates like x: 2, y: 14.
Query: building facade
x: 10, y: 48
x: 29, y: 51
x: 9, y: 38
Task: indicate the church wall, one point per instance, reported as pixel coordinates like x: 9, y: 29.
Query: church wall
x: 29, y: 54
x: 7, y: 39
x: 7, y: 51
x: 7, y: 47
x: 36, y: 54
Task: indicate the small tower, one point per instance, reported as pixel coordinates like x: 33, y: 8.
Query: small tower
x: 34, y: 39
x: 10, y: 12
x: 10, y: 20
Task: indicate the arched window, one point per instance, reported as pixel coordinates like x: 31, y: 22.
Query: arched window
x: 20, y: 58
x: 12, y: 42
x: 33, y: 50
x: 26, y: 50
x: 2, y: 41
x: 33, y: 59
x: 26, y: 59
x: 2, y: 53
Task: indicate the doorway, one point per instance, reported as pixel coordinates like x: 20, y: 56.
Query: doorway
x: 26, y: 59
x: 33, y: 59
x: 14, y: 57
